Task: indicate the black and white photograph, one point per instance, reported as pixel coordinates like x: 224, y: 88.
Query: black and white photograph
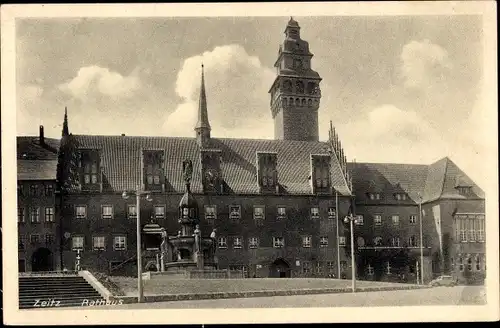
x: 286, y: 162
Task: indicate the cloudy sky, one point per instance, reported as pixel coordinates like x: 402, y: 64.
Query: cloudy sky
x: 398, y: 89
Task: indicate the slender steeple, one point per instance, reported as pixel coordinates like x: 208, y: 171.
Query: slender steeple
x: 202, y: 127
x: 65, y: 130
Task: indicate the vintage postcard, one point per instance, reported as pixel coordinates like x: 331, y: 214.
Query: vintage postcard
x: 250, y: 163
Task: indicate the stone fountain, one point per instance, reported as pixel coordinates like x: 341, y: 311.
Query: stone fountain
x: 188, y: 253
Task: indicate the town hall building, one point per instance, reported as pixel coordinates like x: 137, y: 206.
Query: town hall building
x: 277, y: 206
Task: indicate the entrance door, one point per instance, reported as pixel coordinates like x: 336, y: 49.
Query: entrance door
x: 42, y: 260
x: 279, y: 269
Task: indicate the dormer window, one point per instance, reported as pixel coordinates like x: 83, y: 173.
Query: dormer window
x: 464, y: 190
x: 320, y: 165
x: 400, y: 196
x: 90, y: 162
x: 153, y: 169
x: 211, y: 171
x: 267, y: 173
x: 373, y: 196
x: 234, y: 212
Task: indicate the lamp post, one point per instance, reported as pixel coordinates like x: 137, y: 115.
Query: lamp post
x: 352, y: 219
x: 421, y: 240
x: 138, y: 193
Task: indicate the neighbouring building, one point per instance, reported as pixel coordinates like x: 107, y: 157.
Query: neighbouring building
x: 38, y: 235
x: 278, y: 205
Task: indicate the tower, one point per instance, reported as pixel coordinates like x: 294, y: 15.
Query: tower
x: 295, y: 93
x: 202, y: 127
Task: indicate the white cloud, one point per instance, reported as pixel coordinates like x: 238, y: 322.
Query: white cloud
x: 423, y: 63
x: 237, y: 87
x: 92, y: 81
x: 389, y: 134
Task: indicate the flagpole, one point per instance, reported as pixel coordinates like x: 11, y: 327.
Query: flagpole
x: 337, y: 231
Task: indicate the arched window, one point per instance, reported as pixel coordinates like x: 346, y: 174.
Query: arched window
x: 304, y: 102
x: 460, y: 263
x: 297, y: 102
x: 469, y: 263
x: 299, y: 87
x: 309, y: 102
x: 377, y: 241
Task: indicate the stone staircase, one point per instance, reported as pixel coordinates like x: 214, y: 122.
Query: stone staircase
x: 55, y: 290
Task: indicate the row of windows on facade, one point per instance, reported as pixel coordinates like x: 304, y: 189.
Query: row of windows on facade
x: 35, y: 239
x: 36, y: 189
x: 379, y: 196
x: 469, y: 230
x: 210, y: 212
x: 470, y: 262
x: 99, y: 243
x: 279, y: 242
x: 34, y: 214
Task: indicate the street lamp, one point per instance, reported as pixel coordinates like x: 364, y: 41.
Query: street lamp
x: 138, y: 193
x: 421, y: 240
x: 351, y: 220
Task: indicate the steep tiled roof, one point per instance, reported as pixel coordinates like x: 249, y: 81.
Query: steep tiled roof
x: 36, y: 169
x: 434, y: 181
x: 29, y: 148
x: 121, y: 162
x: 388, y: 179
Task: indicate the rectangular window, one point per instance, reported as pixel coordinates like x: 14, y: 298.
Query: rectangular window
x: 377, y: 219
x: 319, y: 268
x: 413, y: 219
x: 81, y: 211
x: 35, y: 238
x: 306, y: 267
x: 33, y: 190
x: 341, y: 241
x: 267, y: 170
x: 461, y: 264
x: 77, y: 243
x: 332, y: 213
x: 395, y: 242
x: 258, y: 212
x: 21, y: 217
x: 359, y: 220
x: 478, y: 263
x: 331, y: 266
x: 234, y: 212
x: 281, y: 212
x: 132, y: 212
x: 49, y: 190
x: 107, y: 211
x: 237, y: 242
x: 35, y: 215
x: 21, y: 245
x: 323, y: 242
x: 222, y: 242
x: 210, y: 212
x: 253, y: 242
x: 412, y: 241
x: 480, y: 230
x: 314, y: 213
x: 120, y: 243
x: 469, y: 263
x: 322, y: 176
x: 395, y: 220
x: 99, y: 243
x: 306, y: 241
x: 463, y: 230
x: 159, y: 211
x: 90, y: 167
x: 49, y: 239
x: 472, y: 232
x: 400, y: 196
x: 278, y: 242
x: 49, y: 214
x: 20, y: 189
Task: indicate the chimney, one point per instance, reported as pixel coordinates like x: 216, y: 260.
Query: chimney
x: 42, y: 136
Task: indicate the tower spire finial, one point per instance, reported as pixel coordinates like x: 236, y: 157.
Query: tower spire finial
x: 202, y: 127
x: 65, y: 130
